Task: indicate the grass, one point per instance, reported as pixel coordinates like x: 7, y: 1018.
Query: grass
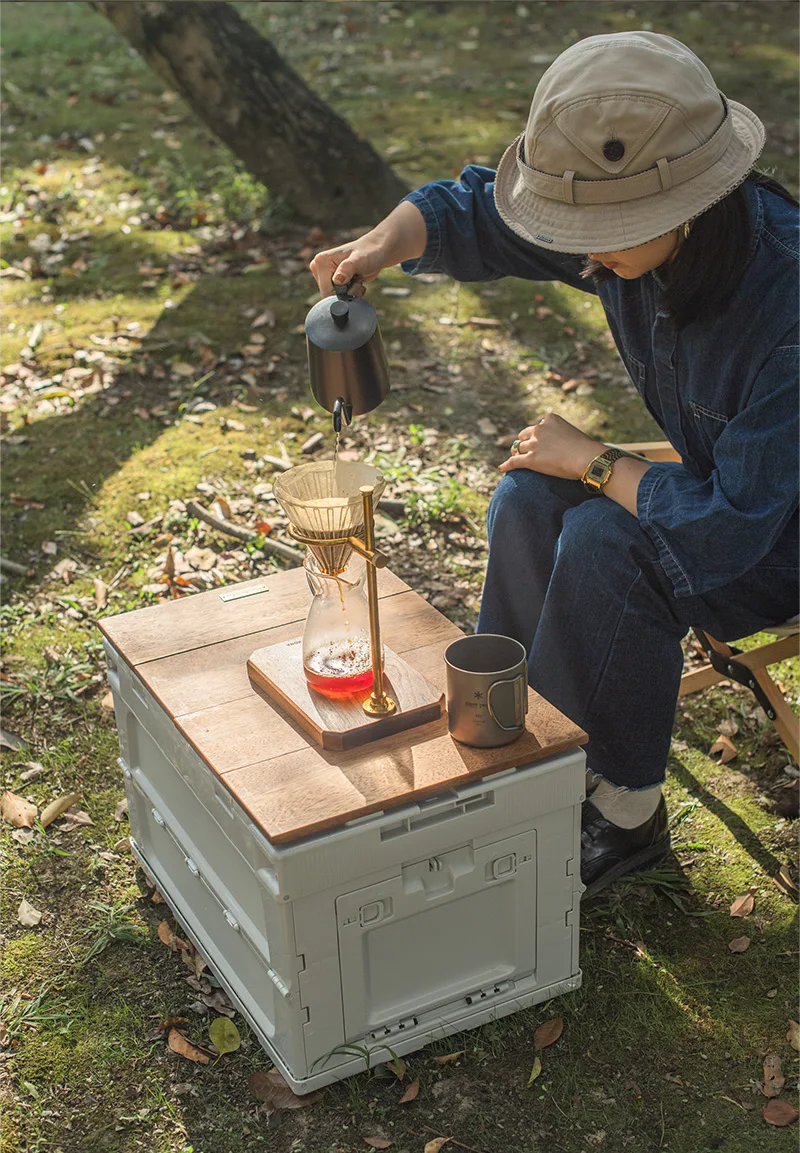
x: 145, y: 249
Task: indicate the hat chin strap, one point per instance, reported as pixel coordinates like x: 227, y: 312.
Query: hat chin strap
x: 663, y: 176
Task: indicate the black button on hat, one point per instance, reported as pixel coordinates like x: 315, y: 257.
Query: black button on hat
x: 613, y: 150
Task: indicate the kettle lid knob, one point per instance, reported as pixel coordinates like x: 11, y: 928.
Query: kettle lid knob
x: 340, y: 313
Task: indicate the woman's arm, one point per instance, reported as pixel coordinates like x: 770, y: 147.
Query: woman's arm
x: 557, y: 448
x: 402, y: 235
x: 449, y: 226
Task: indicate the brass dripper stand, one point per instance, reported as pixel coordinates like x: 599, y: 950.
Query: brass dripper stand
x: 327, y: 551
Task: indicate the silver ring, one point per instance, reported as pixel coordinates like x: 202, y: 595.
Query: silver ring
x: 515, y: 448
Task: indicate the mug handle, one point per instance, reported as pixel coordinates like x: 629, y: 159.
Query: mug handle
x: 520, y: 702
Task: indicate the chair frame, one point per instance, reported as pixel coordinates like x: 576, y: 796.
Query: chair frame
x: 728, y: 663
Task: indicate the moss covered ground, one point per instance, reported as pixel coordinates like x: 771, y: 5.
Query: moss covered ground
x: 152, y: 297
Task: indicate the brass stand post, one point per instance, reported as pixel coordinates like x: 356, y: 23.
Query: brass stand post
x: 378, y: 704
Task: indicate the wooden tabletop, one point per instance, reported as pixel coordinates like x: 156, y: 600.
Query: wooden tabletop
x: 192, y: 655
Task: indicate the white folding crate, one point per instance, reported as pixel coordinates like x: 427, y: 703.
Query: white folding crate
x: 386, y: 932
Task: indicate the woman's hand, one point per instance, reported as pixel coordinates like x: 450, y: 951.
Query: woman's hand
x: 363, y: 258
x: 555, y: 447
x: 401, y: 236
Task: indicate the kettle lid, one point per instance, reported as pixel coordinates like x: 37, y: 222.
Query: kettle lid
x: 341, y: 323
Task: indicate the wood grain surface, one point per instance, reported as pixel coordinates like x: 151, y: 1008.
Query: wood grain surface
x: 192, y: 655
x: 205, y: 618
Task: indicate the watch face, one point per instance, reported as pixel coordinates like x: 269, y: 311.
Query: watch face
x: 596, y: 471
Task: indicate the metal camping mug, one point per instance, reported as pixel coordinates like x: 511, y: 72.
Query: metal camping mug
x: 487, y: 690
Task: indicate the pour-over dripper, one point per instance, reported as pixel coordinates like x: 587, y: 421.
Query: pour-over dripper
x: 323, y: 501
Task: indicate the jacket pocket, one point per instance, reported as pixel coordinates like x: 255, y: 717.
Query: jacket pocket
x: 636, y: 370
x: 708, y: 424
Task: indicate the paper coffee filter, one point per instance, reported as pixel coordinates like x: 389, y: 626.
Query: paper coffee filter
x: 322, y: 500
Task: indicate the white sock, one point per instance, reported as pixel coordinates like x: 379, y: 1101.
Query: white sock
x: 626, y: 808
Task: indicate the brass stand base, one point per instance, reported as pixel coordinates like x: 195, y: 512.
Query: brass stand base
x: 375, y: 707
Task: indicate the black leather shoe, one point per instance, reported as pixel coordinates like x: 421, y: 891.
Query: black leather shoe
x: 608, y: 852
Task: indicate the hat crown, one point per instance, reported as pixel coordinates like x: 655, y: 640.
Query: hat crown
x: 614, y: 105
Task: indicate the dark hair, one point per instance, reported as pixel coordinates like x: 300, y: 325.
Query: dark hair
x: 707, y: 269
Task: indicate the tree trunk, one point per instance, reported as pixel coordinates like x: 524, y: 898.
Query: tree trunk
x: 237, y: 83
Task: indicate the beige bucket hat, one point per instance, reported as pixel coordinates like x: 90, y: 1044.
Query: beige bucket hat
x: 628, y: 137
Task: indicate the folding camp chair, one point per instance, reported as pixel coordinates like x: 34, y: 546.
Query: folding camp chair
x: 725, y: 662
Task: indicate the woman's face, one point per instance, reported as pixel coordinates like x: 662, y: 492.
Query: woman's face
x: 634, y: 262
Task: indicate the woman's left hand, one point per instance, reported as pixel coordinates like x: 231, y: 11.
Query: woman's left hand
x: 555, y: 447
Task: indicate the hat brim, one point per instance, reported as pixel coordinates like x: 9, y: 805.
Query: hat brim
x: 584, y: 228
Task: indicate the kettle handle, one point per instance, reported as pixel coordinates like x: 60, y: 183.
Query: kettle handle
x: 343, y: 290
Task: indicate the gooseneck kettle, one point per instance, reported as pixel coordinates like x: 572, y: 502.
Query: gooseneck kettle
x: 347, y: 364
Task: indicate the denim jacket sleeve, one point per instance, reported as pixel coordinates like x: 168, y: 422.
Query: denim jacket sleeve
x: 468, y: 240
x: 710, y: 531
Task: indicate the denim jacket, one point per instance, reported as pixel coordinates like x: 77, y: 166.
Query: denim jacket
x: 725, y: 392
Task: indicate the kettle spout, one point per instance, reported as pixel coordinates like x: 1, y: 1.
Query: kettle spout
x: 341, y: 408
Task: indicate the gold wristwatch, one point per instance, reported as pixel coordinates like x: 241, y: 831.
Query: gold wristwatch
x: 599, y: 471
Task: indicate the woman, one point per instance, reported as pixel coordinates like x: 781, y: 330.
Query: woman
x: 598, y: 562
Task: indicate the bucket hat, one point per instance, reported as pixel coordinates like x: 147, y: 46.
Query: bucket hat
x: 628, y: 137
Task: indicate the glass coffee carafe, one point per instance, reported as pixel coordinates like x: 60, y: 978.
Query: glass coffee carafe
x: 325, y: 504
x: 337, y: 658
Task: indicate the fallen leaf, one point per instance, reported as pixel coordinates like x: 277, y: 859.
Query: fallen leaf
x: 224, y: 1035
x: 436, y: 1144
x: 23, y: 836
x: 271, y: 1088
x: 267, y: 317
x: 779, y: 1112
x: 447, y: 1058
x: 728, y: 727
x: 58, y: 807
x: 33, y: 769
x: 743, y: 906
x: 179, y: 1044
x: 739, y: 944
x: 192, y: 960
x: 793, y: 1034
x: 218, y: 1002
x: 377, y: 1142
x: 156, y: 898
x: 24, y: 501
x: 168, y: 938
x: 549, y: 1032
x: 786, y: 882
x: 11, y: 741
x: 27, y: 915
x: 107, y: 702
x: 410, y: 1094
x: 100, y: 593
x: 535, y: 1071
x: 774, y: 1079
x: 134, y: 518
x: 120, y: 809
x: 75, y: 818
x: 17, y: 810
x: 398, y: 1067
x: 725, y: 747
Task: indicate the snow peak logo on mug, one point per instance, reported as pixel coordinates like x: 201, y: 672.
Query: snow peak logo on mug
x: 487, y: 690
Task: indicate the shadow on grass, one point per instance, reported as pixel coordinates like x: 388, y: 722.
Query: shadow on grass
x: 738, y: 828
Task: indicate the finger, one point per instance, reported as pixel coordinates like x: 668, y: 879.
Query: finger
x: 346, y: 271
x: 519, y: 460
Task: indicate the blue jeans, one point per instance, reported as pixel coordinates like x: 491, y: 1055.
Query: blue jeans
x: 575, y: 579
